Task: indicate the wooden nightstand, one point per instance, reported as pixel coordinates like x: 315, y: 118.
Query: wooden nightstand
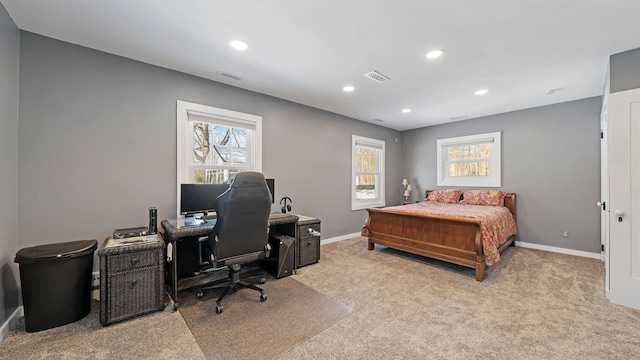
x: 131, y: 277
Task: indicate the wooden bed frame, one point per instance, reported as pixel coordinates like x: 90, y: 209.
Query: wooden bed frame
x: 457, y: 241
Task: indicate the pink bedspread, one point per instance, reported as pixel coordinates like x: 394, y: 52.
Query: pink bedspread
x: 496, y: 222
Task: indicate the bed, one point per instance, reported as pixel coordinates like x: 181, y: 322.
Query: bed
x: 456, y: 231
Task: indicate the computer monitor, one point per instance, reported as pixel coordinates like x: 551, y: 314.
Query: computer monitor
x: 271, y: 183
x: 199, y: 198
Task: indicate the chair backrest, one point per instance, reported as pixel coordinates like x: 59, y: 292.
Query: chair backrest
x: 241, y: 230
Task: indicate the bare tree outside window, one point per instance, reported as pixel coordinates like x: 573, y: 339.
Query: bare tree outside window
x: 468, y: 160
x: 221, y: 149
x: 214, y: 144
x: 366, y: 172
x: 201, y: 144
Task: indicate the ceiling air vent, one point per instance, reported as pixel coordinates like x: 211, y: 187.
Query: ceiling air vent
x: 376, y: 76
x: 227, y: 75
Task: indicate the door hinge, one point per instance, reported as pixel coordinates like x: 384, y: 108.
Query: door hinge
x: 602, y: 247
x: 601, y: 134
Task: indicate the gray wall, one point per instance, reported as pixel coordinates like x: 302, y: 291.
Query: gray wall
x: 9, y: 70
x: 550, y: 159
x: 97, y: 145
x: 624, y: 74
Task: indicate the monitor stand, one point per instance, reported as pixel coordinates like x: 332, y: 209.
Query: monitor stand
x: 194, y: 221
x: 191, y: 220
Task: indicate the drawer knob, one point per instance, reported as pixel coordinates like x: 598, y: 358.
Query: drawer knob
x: 133, y: 284
x: 134, y: 261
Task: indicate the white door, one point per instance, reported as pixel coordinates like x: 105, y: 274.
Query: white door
x: 624, y: 196
x: 604, y: 189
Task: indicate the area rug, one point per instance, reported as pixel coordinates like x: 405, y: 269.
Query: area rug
x: 250, y: 329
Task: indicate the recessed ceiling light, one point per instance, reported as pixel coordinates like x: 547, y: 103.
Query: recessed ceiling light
x: 434, y: 54
x: 481, y: 92
x: 239, y: 44
x: 406, y: 110
x: 348, y: 88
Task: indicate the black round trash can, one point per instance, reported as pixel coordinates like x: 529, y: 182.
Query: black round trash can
x: 56, y: 283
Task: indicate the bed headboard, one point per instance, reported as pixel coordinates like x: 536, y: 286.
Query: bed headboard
x: 509, y: 201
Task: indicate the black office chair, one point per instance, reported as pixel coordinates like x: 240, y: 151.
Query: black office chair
x: 241, y: 233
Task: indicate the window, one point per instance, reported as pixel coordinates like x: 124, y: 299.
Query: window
x: 215, y: 144
x: 367, y: 173
x: 470, y: 160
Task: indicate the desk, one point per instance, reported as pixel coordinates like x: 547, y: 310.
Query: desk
x: 184, y: 270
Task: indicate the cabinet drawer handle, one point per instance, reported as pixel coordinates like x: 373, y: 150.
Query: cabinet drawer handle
x: 133, y: 284
x: 134, y: 261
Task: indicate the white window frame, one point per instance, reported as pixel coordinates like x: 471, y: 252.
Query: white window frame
x: 359, y: 204
x: 495, y: 172
x: 219, y: 116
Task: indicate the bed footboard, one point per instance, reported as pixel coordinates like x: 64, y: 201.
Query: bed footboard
x: 457, y: 241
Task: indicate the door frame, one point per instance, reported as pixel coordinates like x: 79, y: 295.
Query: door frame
x: 604, y: 188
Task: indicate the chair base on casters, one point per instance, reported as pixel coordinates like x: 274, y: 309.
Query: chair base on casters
x: 232, y: 285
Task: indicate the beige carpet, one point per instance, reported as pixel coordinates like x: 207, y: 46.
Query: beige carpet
x: 532, y: 305
x: 249, y: 329
x: 160, y: 335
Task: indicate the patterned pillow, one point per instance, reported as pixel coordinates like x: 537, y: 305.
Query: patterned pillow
x: 448, y: 196
x: 483, y: 197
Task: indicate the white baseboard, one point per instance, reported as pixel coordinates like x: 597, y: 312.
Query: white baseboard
x: 338, y: 238
x: 11, y: 322
x: 559, y: 250
x: 518, y: 243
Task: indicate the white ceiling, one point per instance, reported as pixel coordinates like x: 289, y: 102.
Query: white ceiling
x: 306, y: 51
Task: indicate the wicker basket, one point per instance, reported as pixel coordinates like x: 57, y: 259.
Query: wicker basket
x: 131, y: 278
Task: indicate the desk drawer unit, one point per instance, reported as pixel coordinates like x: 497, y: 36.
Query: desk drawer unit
x: 308, y: 247
x: 131, y: 279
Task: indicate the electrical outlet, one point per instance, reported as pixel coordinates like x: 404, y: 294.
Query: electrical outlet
x: 95, y: 278
x: 565, y: 233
